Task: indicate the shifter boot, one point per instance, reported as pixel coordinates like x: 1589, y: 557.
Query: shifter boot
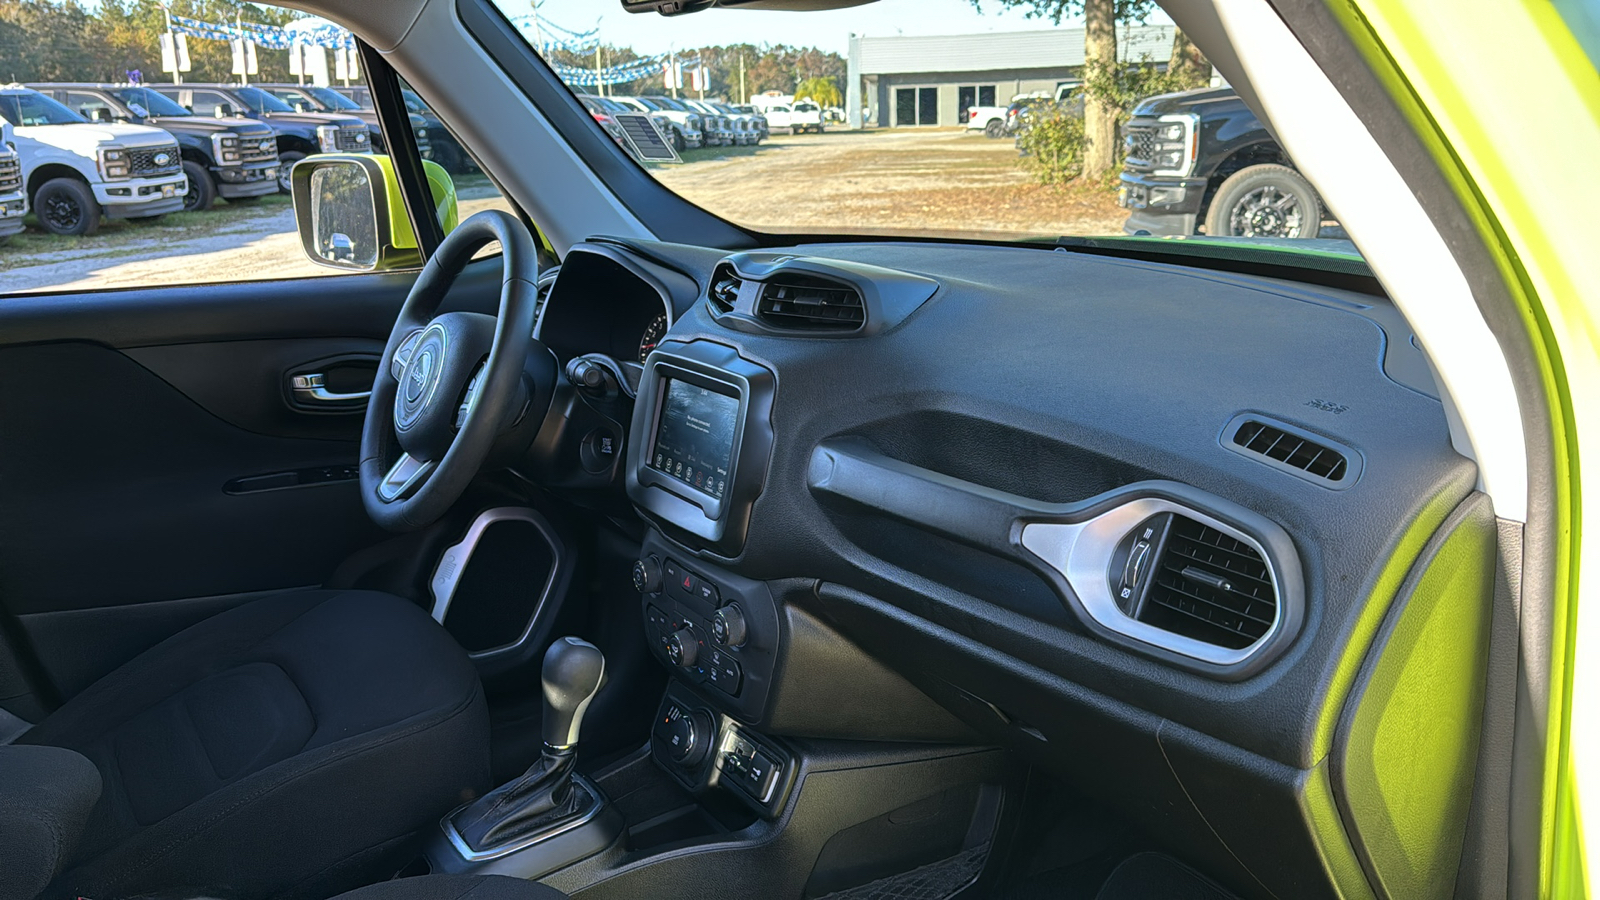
x: 544, y: 795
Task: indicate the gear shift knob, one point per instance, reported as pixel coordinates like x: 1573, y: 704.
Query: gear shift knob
x: 573, y: 672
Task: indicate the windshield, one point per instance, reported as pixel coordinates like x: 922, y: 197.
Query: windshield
x: 894, y: 117
x: 30, y: 108
x: 258, y: 101
x: 331, y: 98
x: 151, y: 102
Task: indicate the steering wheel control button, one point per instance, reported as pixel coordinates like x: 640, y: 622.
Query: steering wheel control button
x: 728, y: 626
x: 647, y: 576
x: 420, y: 380
x: 683, y: 648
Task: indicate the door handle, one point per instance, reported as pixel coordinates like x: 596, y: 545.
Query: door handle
x: 312, y: 389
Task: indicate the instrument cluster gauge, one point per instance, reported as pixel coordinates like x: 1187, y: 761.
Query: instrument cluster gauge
x: 653, y: 335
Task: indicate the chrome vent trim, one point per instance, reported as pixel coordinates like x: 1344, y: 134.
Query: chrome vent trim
x: 1082, y: 552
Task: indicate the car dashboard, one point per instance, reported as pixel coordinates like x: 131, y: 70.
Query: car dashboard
x: 1137, y: 522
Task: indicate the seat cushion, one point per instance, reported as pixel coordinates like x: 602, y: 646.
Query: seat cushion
x: 456, y: 887
x: 289, y: 747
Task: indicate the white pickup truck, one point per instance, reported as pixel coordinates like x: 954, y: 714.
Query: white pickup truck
x: 77, y: 172
x: 991, y: 120
x: 13, y: 199
x: 782, y: 114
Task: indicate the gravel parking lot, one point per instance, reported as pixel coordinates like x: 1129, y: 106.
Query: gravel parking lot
x: 946, y: 182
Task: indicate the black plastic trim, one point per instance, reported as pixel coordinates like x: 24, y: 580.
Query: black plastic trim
x: 888, y: 296
x: 993, y: 521
x: 1354, y: 462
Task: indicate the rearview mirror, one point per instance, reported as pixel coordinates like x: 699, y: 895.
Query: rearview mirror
x: 351, y: 215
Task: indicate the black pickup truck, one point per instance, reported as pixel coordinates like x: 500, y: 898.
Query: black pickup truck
x: 317, y: 98
x: 233, y: 158
x: 299, y: 134
x: 1202, y: 158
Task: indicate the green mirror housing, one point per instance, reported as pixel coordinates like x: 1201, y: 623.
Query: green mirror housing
x: 351, y: 215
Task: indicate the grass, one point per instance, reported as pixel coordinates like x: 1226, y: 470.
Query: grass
x: 130, y: 237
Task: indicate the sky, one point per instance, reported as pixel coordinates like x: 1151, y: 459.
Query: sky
x: 651, y: 34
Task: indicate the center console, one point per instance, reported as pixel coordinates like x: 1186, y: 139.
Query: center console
x: 755, y: 779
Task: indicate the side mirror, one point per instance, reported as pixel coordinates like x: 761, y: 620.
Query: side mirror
x: 224, y: 111
x: 99, y: 114
x: 351, y: 215
x: 300, y: 106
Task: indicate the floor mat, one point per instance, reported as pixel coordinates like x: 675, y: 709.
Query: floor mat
x: 935, y: 881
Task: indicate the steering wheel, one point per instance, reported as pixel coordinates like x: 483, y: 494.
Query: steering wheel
x: 449, y: 383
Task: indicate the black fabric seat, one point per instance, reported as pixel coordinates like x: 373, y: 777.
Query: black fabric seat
x: 290, y: 747
x: 456, y: 887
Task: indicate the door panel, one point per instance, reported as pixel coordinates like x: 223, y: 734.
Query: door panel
x: 138, y: 428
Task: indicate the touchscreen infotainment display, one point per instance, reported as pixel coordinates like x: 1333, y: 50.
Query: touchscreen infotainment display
x: 694, y: 442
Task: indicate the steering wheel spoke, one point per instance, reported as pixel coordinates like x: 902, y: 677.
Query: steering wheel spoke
x: 404, y: 477
x: 402, y: 354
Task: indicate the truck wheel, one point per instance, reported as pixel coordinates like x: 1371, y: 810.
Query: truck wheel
x: 995, y: 130
x: 1265, y: 201
x: 286, y: 162
x: 678, y: 143
x: 202, y: 193
x: 66, y: 206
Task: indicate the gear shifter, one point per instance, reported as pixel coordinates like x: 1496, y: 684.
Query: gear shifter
x: 573, y: 673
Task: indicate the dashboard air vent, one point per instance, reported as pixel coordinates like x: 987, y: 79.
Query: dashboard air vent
x: 811, y: 304
x: 724, y: 291
x: 1293, y: 450
x: 1210, y: 587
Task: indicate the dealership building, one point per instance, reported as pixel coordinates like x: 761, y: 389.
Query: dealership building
x: 918, y: 82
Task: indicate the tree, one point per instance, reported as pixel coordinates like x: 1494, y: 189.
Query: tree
x: 1100, y: 70
x: 823, y: 91
x: 1188, y: 66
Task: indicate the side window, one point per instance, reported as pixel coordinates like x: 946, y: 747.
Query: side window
x: 197, y: 200
x: 85, y: 103
x: 205, y: 103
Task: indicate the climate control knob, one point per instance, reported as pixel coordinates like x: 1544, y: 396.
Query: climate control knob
x: 647, y: 575
x: 728, y: 628
x: 683, y: 648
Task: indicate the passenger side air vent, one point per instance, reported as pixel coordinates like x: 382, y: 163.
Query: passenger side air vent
x: 724, y: 293
x: 811, y: 304
x: 1209, y: 586
x: 1292, y: 450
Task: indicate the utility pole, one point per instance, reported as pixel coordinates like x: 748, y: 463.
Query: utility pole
x: 674, y: 74
x: 744, y: 92
x: 538, y: 31
x: 705, y: 74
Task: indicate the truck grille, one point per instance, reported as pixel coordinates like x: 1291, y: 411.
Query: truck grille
x: 257, y: 148
x: 1139, y: 145
x: 10, y: 174
x: 354, y: 139
x: 142, y: 162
